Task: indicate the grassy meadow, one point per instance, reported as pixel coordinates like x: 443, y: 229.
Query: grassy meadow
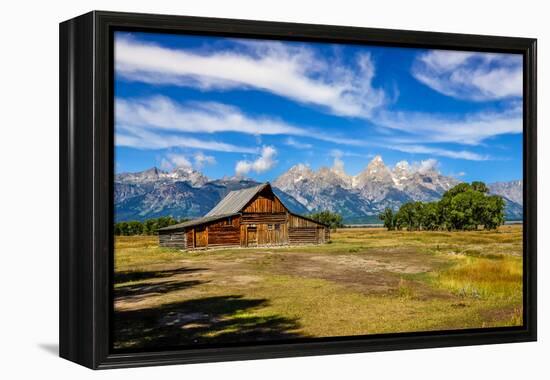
x: 366, y: 281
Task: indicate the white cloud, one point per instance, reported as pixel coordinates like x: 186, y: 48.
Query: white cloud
x: 471, y: 76
x: 338, y: 163
x: 290, y: 70
x: 201, y: 160
x: 265, y: 162
x: 179, y: 160
x: 166, y: 164
x: 295, y: 71
x: 297, y: 144
x: 426, y: 166
x: 140, y: 138
x: 470, y: 129
x: 457, y: 175
x: 161, y: 112
x: 176, y: 160
x: 422, y: 149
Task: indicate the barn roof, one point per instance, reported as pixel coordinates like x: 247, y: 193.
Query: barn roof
x: 236, y: 200
x: 230, y: 205
x: 194, y: 222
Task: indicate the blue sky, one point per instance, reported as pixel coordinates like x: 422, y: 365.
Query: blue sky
x: 255, y: 108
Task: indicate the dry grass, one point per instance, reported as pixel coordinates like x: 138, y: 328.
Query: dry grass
x: 366, y: 281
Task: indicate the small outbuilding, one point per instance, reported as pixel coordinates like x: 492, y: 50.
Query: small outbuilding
x: 251, y: 217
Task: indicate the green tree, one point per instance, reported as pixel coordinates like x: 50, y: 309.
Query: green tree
x: 430, y: 217
x: 121, y: 228
x: 409, y: 215
x: 479, y: 186
x: 461, y: 216
x: 464, y: 207
x: 332, y: 219
x: 135, y: 228
x: 493, y: 213
x: 389, y: 219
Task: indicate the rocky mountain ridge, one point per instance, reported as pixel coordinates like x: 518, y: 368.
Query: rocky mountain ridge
x: 187, y: 193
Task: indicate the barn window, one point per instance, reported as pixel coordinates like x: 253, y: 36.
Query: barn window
x: 228, y: 221
x: 277, y: 227
x: 270, y: 226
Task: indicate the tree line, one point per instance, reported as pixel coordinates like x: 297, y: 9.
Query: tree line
x: 464, y: 207
x: 332, y: 219
x: 147, y: 227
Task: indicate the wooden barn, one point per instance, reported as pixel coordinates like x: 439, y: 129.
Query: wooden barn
x: 252, y: 217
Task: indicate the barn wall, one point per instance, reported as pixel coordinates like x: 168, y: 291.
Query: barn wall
x: 226, y: 232
x: 265, y: 203
x: 272, y: 234
x: 305, y: 231
x: 264, y: 218
x: 297, y: 221
x: 176, y: 239
x: 190, y: 238
x: 303, y: 235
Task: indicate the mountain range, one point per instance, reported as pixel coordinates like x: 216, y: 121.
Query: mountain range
x: 187, y: 193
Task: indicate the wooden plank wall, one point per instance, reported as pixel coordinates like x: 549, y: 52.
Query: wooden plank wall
x: 225, y: 233
x: 296, y: 221
x: 173, y: 240
x: 303, y: 235
x: 201, y: 236
x: 257, y: 218
x: 269, y: 235
x: 304, y: 231
x: 190, y: 238
x: 265, y: 204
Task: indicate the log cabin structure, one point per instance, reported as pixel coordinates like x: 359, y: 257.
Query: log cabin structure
x: 251, y: 217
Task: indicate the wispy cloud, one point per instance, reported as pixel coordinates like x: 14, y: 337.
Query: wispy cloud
x: 297, y: 144
x: 139, y: 138
x: 162, y: 113
x: 425, y: 166
x: 299, y: 73
x: 293, y: 71
x: 469, y: 75
x: 263, y: 163
x: 457, y: 154
x: 202, y: 159
x: 469, y: 129
x: 176, y: 161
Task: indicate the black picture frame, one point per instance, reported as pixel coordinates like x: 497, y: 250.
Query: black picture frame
x: 86, y: 186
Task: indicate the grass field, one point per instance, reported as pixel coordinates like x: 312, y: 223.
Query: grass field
x: 366, y: 281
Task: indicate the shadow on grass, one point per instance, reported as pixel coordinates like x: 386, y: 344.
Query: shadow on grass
x: 204, y: 321
x: 141, y: 291
x: 122, y: 277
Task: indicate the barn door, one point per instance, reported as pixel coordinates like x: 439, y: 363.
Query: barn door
x: 201, y: 237
x: 252, y: 236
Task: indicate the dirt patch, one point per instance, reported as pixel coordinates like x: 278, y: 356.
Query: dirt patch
x: 372, y: 272
x: 371, y: 265
x: 354, y: 276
